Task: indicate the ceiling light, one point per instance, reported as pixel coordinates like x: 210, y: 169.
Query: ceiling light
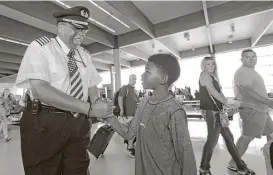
x: 230, y: 38
x: 90, y: 19
x: 153, y: 44
x: 63, y: 4
x: 108, y: 13
x: 232, y: 27
x: 127, y: 54
x: 13, y: 41
x: 187, y: 36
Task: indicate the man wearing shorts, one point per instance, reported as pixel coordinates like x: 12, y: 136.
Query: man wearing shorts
x: 250, y: 90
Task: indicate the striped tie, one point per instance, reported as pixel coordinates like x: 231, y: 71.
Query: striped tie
x: 75, y: 79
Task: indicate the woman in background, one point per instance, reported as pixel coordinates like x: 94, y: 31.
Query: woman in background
x: 7, y: 101
x: 210, y: 88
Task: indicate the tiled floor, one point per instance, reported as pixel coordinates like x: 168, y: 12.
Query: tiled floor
x: 116, y: 161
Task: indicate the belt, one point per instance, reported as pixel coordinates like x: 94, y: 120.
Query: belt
x: 37, y: 107
x: 52, y: 109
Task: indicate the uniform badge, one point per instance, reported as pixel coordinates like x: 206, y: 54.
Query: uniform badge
x: 84, y: 13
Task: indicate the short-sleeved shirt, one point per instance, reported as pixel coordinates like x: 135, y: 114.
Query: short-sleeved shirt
x: 129, y: 101
x: 245, y: 76
x: 46, y: 59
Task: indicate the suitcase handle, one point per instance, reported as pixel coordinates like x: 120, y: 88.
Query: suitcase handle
x: 109, y: 128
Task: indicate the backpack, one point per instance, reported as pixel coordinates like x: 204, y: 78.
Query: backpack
x: 268, y: 155
x: 116, y: 110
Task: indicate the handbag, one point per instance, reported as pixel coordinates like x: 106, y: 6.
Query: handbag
x: 224, y: 120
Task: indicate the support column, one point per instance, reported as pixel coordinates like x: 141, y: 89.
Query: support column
x: 117, y: 65
x: 113, y: 83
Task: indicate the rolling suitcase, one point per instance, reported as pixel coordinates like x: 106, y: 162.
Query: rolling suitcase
x: 101, y: 140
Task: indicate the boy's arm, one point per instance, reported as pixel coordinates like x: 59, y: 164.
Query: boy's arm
x: 182, y: 142
x: 127, y: 131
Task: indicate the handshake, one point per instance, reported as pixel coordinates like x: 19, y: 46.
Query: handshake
x: 101, y: 109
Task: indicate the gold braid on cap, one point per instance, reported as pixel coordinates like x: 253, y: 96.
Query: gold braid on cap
x: 75, y: 22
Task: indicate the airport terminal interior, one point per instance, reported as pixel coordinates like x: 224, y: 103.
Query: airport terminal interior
x: 122, y: 36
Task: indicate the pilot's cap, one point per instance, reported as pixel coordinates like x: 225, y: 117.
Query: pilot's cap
x: 77, y: 16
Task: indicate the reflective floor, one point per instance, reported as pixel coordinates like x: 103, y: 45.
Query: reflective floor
x: 116, y: 162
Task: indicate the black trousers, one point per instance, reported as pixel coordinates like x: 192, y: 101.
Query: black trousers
x: 54, y: 143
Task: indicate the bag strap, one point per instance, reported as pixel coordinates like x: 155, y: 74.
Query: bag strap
x: 127, y: 88
x: 211, y: 97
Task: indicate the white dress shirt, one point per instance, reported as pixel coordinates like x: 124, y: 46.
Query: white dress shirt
x: 49, y: 63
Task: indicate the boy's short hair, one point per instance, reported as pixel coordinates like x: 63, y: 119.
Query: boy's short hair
x: 167, y: 64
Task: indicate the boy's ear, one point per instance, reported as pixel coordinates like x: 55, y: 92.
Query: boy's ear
x: 164, y: 79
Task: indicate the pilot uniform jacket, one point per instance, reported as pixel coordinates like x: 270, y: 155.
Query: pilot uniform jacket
x: 54, y: 143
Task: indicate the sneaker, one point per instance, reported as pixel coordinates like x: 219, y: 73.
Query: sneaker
x: 246, y: 172
x: 131, y: 152
x: 7, y: 139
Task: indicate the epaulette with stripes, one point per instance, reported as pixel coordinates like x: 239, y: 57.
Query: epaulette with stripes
x: 43, y: 40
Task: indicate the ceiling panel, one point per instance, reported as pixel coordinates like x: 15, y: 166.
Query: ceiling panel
x: 120, y: 27
x: 104, y: 18
x: 12, y: 48
x: 128, y: 56
x: 270, y: 30
x: 244, y: 28
x: 20, y: 31
x: 215, y: 3
x: 151, y: 47
x: 154, y: 10
x: 40, y: 9
x: 124, y: 55
x: 198, y: 38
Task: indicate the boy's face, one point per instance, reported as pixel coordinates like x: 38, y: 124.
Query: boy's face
x: 151, y: 78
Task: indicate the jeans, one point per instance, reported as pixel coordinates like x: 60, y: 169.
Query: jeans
x: 214, y: 129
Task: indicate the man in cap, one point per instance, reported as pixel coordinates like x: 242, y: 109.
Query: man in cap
x: 60, y: 74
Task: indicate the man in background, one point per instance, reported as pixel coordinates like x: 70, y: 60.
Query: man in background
x: 128, y: 100
x: 250, y: 90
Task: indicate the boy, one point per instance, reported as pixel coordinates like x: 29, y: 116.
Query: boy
x: 160, y: 124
